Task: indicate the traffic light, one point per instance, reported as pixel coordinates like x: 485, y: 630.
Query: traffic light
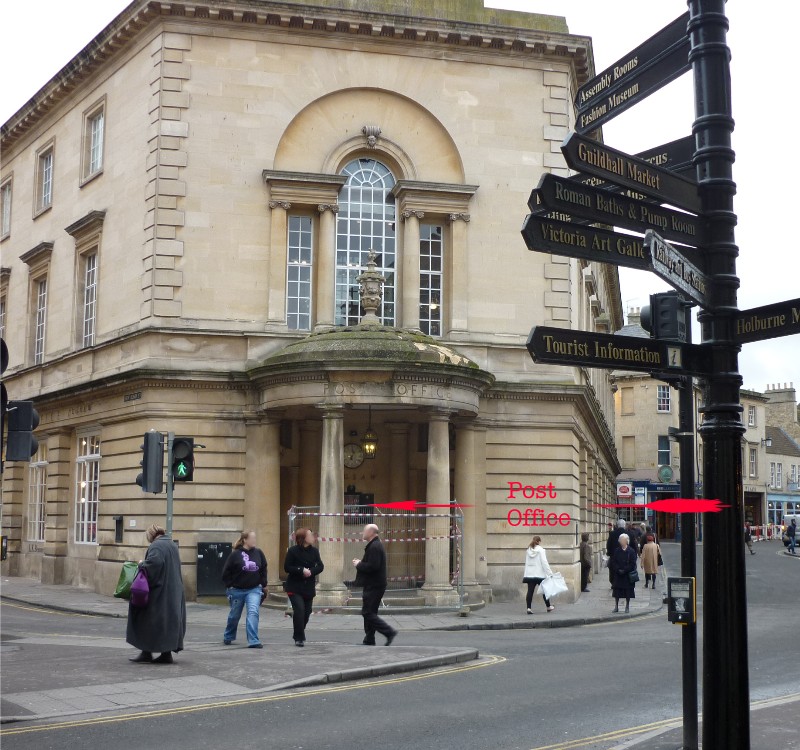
x: 665, y: 317
x: 23, y: 419
x: 183, y: 459
x: 152, y: 477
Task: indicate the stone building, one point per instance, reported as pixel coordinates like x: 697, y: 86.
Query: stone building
x: 187, y: 207
x: 754, y: 455
x: 783, y: 453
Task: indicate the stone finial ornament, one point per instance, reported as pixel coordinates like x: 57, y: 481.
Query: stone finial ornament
x: 370, y: 286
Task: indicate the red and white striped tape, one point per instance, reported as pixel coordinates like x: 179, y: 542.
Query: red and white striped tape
x: 363, y: 513
x: 387, y: 541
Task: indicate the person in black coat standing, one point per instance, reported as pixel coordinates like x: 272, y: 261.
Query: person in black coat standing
x: 612, y: 543
x: 622, y: 564
x: 160, y: 626
x: 303, y: 564
x: 371, y: 574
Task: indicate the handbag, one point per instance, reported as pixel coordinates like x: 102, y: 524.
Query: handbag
x: 660, y: 559
x: 633, y: 576
x: 126, y: 576
x: 140, y: 589
x: 553, y: 585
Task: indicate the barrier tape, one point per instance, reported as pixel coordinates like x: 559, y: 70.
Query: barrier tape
x: 363, y: 513
x: 386, y: 541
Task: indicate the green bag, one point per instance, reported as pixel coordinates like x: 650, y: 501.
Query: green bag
x: 129, y: 570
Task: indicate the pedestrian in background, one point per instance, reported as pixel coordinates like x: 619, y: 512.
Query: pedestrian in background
x: 612, y: 543
x: 791, y: 532
x: 748, y: 538
x: 586, y: 561
x: 245, y: 578
x: 303, y: 564
x: 160, y: 626
x: 622, y: 564
x: 650, y: 554
x: 371, y: 574
x: 536, y: 570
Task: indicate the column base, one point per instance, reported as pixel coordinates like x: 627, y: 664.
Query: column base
x: 440, y: 596
x: 335, y: 596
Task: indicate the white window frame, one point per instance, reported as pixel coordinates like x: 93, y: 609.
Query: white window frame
x: 778, y: 475
x: 753, y: 462
x: 40, y: 319
x: 663, y: 402
x: 660, y: 450
x: 2, y: 315
x: 751, y: 415
x: 431, y: 279
x: 771, y: 473
x: 793, y: 474
x: 37, y: 501
x: 87, y: 488
x: 299, y: 272
x: 6, y: 198
x: 45, y: 172
x: 94, y: 138
x: 89, y: 309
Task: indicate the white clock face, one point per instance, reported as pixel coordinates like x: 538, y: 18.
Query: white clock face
x: 353, y: 455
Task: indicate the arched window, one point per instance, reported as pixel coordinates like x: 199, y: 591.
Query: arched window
x: 366, y: 221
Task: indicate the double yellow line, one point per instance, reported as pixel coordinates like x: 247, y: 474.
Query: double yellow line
x: 487, y: 661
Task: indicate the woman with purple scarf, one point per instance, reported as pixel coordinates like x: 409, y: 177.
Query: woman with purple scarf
x: 245, y: 578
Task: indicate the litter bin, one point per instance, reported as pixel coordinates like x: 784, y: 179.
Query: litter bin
x: 211, y: 557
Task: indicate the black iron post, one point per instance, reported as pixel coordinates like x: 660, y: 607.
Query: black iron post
x: 726, y: 700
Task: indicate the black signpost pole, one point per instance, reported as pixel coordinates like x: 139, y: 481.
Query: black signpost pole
x: 726, y: 699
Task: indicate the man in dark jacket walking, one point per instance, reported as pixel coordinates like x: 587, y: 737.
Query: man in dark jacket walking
x: 371, y: 574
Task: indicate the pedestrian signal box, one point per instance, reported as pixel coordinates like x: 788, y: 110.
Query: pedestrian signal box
x: 681, y: 600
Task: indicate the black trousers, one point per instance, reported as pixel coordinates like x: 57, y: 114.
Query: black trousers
x: 532, y: 584
x: 301, y: 612
x: 371, y: 601
x: 585, y: 575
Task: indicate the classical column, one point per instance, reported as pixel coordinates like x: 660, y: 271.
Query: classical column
x: 278, y: 242
x: 465, y: 495
x: 331, y: 589
x: 437, y: 588
x: 325, y: 261
x: 262, y: 492
x: 397, y: 554
x: 458, y: 284
x: 59, y: 493
x: 410, y: 276
x: 309, y: 462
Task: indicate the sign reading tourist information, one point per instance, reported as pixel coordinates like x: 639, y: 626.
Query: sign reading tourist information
x: 560, y: 346
x: 649, y: 67
x: 588, y: 156
x: 675, y: 269
x: 767, y: 322
x: 562, y: 195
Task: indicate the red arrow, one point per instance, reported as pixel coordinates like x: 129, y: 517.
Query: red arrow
x: 674, y: 505
x: 414, y: 504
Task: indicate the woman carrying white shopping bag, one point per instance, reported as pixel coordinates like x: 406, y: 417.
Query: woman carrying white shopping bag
x: 536, y: 570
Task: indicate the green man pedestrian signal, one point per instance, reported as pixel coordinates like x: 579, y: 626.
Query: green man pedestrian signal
x: 151, y: 478
x: 183, y: 459
x: 23, y: 419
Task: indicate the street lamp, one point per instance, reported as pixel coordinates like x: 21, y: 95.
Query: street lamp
x: 369, y: 442
x: 766, y: 442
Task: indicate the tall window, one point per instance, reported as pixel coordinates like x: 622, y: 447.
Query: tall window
x: 778, y: 475
x: 87, y: 490
x: 751, y: 416
x: 5, y: 208
x: 95, y: 135
x: 44, y: 179
x: 40, y: 322
x: 753, y: 462
x: 89, y: 298
x: 771, y: 473
x: 366, y: 221
x: 431, y: 249
x: 629, y: 452
x: 663, y: 450
x: 663, y: 398
x: 3, y: 317
x: 299, y: 273
x: 37, y: 485
x: 793, y: 474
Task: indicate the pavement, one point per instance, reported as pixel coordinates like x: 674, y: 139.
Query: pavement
x: 208, y: 670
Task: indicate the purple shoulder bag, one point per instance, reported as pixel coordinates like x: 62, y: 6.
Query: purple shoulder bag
x: 140, y: 589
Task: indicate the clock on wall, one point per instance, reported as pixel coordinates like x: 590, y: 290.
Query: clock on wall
x: 353, y: 455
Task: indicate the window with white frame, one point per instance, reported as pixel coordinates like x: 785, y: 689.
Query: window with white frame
x: 771, y: 473
x: 87, y: 489
x: 366, y: 221
x: 778, y: 475
x: 37, y: 486
x: 662, y: 398
x: 751, y: 416
x: 299, y: 273
x: 89, y: 298
x: 431, y: 258
x: 753, y: 462
x: 3, y: 317
x: 94, y: 140
x: 664, y: 451
x: 793, y: 474
x: 40, y: 321
x: 44, y: 178
x: 5, y: 208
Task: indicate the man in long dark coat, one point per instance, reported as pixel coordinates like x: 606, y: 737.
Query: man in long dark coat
x: 371, y: 574
x: 160, y: 626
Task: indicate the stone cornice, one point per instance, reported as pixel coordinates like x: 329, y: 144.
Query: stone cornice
x: 300, y: 18
x: 303, y: 189
x: 39, y: 254
x: 433, y: 197
x: 87, y: 225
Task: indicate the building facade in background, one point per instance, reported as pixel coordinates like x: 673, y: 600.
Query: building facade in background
x: 783, y: 453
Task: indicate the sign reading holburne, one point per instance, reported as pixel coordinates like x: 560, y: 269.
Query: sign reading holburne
x: 600, y: 206
x: 767, y: 322
x: 675, y: 269
x: 587, y: 155
x: 561, y: 346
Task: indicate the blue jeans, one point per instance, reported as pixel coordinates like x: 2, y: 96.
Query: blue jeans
x: 238, y: 598
x: 792, y: 544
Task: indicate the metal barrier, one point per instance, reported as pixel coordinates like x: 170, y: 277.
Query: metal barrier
x: 404, y: 535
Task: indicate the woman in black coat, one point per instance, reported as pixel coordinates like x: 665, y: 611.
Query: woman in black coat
x: 622, y: 563
x: 303, y: 564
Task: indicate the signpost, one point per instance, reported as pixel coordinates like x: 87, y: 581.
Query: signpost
x: 675, y: 269
x: 767, y: 322
x: 587, y: 155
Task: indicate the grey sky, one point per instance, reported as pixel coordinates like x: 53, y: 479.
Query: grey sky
x: 31, y: 52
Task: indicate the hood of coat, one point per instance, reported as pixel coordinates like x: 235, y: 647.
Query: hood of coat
x: 533, y: 552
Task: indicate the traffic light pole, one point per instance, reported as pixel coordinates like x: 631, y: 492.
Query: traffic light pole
x: 170, y: 482
x: 726, y: 699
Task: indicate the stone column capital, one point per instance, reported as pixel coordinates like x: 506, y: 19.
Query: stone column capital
x: 408, y: 213
x: 332, y: 207
x: 439, y: 415
x: 459, y: 217
x: 285, y: 205
x: 332, y: 411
